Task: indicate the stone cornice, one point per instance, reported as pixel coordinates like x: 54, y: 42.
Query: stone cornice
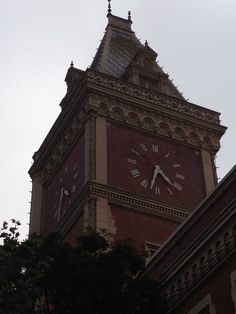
x: 215, y: 248
x: 157, y: 122
x: 169, y: 103
x: 93, y: 190
x: 140, y: 203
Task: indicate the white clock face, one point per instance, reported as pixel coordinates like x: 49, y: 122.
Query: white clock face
x: 67, y: 186
x: 155, y: 170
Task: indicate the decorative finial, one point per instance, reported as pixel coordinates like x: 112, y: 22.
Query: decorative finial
x: 129, y: 16
x: 72, y: 64
x: 146, y: 43
x: 109, y: 7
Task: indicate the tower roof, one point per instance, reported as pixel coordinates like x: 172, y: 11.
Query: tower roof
x: 118, y: 49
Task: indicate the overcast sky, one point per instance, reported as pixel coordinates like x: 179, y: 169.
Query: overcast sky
x: 195, y: 40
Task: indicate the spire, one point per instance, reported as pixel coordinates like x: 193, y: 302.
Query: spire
x: 129, y: 16
x: 109, y: 7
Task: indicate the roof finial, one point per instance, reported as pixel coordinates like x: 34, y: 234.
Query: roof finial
x: 146, y: 43
x: 129, y: 16
x: 72, y: 64
x: 109, y: 7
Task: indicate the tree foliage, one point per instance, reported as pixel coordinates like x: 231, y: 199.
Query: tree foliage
x: 47, y: 275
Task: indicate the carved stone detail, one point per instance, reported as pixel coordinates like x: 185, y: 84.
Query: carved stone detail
x: 166, y: 102
x: 202, y: 265
x: 63, y: 145
x: 115, y: 196
x: 158, y: 123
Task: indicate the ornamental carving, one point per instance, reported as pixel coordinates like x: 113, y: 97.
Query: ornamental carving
x: 62, y: 146
x: 202, y: 265
x: 137, y: 203
x: 165, y: 102
x: 184, y: 131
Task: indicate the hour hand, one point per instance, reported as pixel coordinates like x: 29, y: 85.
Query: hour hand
x: 155, y: 173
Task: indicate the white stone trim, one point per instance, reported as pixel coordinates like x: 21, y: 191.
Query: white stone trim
x: 204, y: 302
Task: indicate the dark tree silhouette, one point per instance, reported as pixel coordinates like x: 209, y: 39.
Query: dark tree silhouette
x: 47, y: 275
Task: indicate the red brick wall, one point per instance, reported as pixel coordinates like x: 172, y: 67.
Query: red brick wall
x: 182, y: 164
x: 69, y: 176
x: 219, y: 286
x: 139, y: 227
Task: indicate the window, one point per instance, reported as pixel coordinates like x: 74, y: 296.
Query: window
x: 150, y: 249
x: 205, y: 306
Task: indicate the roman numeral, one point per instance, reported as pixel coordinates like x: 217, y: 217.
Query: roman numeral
x: 178, y: 186
x: 180, y: 176
x: 144, y: 184
x: 157, y: 190
x: 134, y: 151
x: 135, y: 173
x: 171, y: 193
x: 167, y: 155
x: 155, y: 148
x: 144, y: 148
x: 132, y: 161
x: 176, y: 165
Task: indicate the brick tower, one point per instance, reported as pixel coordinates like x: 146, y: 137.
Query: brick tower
x: 127, y: 153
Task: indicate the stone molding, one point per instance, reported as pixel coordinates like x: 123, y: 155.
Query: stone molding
x: 132, y: 201
x: 200, y: 264
x: 162, y: 101
x: 92, y: 191
x: 61, y: 148
x: 158, y: 123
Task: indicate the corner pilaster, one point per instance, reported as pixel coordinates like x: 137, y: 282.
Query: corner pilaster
x: 209, y: 174
x: 36, y: 205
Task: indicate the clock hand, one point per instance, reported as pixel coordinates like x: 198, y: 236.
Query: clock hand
x: 165, y: 177
x: 156, y: 171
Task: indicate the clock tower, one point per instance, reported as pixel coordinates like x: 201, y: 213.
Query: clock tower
x: 127, y: 153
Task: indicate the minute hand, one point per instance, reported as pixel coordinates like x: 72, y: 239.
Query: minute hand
x: 165, y: 177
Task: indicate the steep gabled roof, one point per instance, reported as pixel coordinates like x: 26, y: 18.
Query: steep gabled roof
x: 118, y: 49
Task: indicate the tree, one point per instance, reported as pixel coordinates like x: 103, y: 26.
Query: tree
x: 47, y: 275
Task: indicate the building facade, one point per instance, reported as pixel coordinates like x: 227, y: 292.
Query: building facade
x: 130, y: 155
x: 197, y: 265
x: 127, y: 153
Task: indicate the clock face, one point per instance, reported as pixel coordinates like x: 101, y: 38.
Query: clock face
x: 155, y: 170
x: 64, y: 187
x: 154, y: 167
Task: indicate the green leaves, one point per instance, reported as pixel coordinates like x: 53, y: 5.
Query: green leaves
x: 47, y: 275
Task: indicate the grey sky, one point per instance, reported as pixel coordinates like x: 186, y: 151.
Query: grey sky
x: 195, y: 40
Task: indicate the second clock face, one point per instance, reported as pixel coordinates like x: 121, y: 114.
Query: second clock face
x: 156, y: 170
x: 154, y: 167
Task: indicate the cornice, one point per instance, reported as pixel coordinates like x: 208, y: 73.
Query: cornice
x: 156, y: 122
x: 93, y: 191
x: 169, y: 103
x: 198, y: 266
x: 136, y: 202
